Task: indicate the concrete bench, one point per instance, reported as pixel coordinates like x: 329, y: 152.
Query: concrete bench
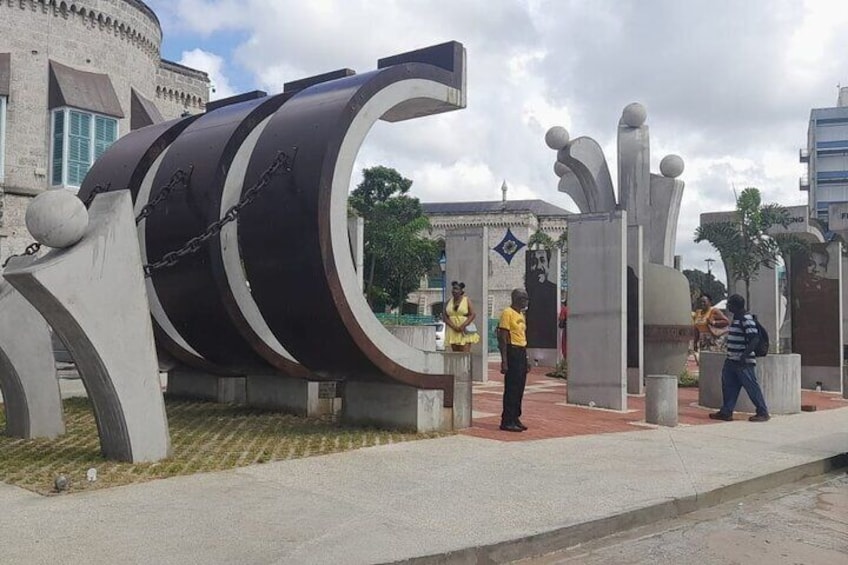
x: 779, y: 377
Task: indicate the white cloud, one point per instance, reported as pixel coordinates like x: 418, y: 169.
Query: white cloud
x: 213, y: 65
x: 728, y: 84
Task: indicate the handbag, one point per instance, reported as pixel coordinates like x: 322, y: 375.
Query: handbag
x: 471, y: 328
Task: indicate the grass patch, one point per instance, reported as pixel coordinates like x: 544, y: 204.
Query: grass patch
x: 560, y: 371
x: 205, y: 437
x: 687, y: 379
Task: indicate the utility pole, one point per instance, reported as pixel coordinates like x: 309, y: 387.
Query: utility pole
x: 709, y: 263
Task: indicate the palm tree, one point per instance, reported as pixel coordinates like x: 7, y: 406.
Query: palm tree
x: 745, y: 243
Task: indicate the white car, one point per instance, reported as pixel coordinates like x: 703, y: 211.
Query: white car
x: 440, y: 336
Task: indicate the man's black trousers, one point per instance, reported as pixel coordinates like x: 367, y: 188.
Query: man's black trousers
x: 514, y: 381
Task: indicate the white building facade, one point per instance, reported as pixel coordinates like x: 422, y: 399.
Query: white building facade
x: 75, y: 76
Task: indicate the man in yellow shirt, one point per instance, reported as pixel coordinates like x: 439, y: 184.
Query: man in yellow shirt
x: 512, y: 343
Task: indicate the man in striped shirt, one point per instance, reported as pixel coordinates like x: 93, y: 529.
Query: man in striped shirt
x: 741, y: 363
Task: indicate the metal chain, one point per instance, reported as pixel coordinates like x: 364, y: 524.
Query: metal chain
x: 94, y: 192
x: 179, y: 177
x: 193, y: 245
x: 31, y: 249
x: 34, y: 247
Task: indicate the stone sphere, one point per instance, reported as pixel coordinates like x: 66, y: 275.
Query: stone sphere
x: 57, y: 218
x: 557, y: 138
x: 560, y: 169
x: 671, y: 166
x: 634, y: 115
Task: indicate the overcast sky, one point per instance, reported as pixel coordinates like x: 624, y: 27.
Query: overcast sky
x: 728, y: 85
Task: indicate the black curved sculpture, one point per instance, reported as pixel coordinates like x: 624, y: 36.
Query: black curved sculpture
x: 276, y: 290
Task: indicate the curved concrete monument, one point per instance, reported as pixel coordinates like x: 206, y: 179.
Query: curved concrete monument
x: 275, y: 292
x: 27, y: 370
x: 92, y: 294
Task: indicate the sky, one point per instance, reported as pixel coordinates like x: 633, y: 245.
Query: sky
x: 728, y: 84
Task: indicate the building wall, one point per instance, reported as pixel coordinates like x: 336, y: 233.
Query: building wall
x: 503, y: 277
x: 180, y: 89
x: 120, y: 38
x: 827, y: 147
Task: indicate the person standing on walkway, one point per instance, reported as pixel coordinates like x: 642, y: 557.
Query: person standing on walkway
x: 739, y: 369
x: 459, y: 317
x: 512, y: 343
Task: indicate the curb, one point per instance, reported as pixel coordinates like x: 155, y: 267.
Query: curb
x: 555, y: 540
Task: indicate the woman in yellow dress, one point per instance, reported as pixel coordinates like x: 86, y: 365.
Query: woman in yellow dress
x: 457, y: 316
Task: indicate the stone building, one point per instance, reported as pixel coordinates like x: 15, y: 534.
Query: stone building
x: 75, y: 76
x: 522, y: 218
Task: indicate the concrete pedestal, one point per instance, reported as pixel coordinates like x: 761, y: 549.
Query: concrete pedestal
x: 187, y: 383
x: 295, y: 396
x: 661, y: 400
x: 419, y: 337
x: 779, y: 377
x: 394, y: 406
x: 459, y: 365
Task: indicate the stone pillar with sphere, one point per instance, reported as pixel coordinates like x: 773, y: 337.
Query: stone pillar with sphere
x: 90, y: 289
x: 658, y: 315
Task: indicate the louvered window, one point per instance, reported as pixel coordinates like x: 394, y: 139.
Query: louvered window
x: 79, y: 138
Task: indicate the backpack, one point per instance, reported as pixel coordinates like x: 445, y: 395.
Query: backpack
x: 762, y: 348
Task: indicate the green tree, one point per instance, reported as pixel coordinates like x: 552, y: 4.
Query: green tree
x: 704, y: 283
x: 744, y: 242
x: 396, y: 254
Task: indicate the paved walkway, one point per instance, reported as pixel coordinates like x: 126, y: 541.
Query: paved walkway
x: 466, y: 495
x: 547, y: 414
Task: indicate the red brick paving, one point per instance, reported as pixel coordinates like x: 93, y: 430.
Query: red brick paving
x: 547, y: 416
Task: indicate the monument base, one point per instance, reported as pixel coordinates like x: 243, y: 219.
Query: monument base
x: 830, y: 378
x: 292, y: 395
x: 395, y: 406
x: 187, y: 383
x: 543, y: 357
x: 779, y: 376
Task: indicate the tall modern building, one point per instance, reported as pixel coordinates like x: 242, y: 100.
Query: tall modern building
x: 826, y: 156
x: 75, y: 75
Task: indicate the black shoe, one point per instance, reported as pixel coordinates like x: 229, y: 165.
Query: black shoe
x: 511, y: 428
x: 721, y: 416
x: 760, y: 418
x: 520, y: 425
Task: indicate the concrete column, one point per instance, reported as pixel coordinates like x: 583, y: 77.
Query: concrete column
x: 467, y: 255
x: 597, y: 321
x: 661, y: 400
x: 765, y: 303
x: 27, y: 370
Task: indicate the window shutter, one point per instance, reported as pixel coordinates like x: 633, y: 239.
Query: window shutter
x: 105, y: 132
x: 79, y: 147
x: 58, y: 149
